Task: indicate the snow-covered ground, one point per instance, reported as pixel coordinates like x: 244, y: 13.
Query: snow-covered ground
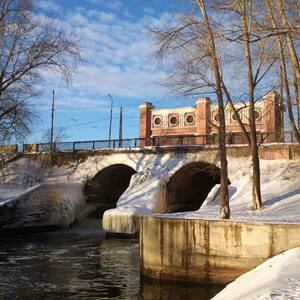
x: 32, y: 194
x: 23, y: 176
x: 277, y: 278
x: 280, y: 186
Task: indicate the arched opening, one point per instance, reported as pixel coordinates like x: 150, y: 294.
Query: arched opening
x: 105, y: 189
x: 189, y: 186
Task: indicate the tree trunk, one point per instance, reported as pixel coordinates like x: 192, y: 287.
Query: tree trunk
x: 224, y: 205
x: 293, y: 55
x: 256, y: 192
x: 284, y: 74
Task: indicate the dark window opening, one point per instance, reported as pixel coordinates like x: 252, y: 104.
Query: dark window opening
x: 256, y: 115
x: 173, y: 120
x: 190, y: 119
x: 217, y: 118
x: 157, y: 121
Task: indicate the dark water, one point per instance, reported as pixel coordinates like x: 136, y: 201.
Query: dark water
x: 80, y: 263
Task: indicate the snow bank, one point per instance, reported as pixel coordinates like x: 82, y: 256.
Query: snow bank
x: 146, y: 192
x: 33, y: 194
x: 145, y: 195
x: 280, y: 187
x: 46, y: 204
x: 276, y: 278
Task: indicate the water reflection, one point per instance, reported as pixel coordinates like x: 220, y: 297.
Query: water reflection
x: 168, y: 290
x: 81, y: 264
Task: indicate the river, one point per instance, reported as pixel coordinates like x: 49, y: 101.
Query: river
x: 80, y: 263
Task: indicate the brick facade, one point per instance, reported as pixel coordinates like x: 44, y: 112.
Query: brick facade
x: 200, y: 122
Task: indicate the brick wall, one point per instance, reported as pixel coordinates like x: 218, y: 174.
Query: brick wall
x: 201, y: 120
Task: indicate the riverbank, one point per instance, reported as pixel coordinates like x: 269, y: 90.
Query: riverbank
x: 276, y: 278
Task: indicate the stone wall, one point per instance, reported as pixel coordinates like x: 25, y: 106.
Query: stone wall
x: 213, y: 251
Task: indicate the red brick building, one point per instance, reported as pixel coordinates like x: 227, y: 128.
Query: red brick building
x: 199, y: 124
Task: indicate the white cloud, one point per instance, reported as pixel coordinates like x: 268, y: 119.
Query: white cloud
x: 117, y: 59
x: 113, y: 5
x: 48, y: 6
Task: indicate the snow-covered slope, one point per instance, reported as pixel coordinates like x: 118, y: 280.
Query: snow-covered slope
x: 280, y: 186
x: 277, y: 278
x: 32, y: 194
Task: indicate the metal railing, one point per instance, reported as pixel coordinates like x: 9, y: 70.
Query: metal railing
x: 161, y: 141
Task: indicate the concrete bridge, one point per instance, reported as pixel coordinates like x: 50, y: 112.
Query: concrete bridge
x: 137, y: 181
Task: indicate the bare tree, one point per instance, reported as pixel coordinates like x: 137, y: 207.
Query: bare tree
x: 244, y: 8
x: 196, y: 69
x: 224, y: 209
x: 278, y: 40
x: 28, y: 45
x: 257, y: 54
x: 239, y: 27
x: 288, y: 30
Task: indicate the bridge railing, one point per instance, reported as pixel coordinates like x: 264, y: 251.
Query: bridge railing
x: 162, y: 141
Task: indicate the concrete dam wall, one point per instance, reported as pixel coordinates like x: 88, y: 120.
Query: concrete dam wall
x: 209, y: 251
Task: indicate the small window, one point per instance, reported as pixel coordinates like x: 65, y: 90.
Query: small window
x: 217, y: 117
x: 173, y: 120
x: 157, y: 121
x: 190, y: 119
x: 256, y: 115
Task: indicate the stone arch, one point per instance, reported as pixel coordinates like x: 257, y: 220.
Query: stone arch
x: 105, y: 188
x: 189, y: 186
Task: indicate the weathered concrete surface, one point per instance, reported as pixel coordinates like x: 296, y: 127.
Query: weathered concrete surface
x: 212, y: 251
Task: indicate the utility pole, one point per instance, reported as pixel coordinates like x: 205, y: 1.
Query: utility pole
x: 121, y: 127
x: 281, y: 101
x: 52, y: 122
x: 110, y: 119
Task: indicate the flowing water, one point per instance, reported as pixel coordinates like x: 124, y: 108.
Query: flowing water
x: 80, y: 263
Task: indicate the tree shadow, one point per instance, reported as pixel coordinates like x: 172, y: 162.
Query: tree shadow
x: 281, y: 197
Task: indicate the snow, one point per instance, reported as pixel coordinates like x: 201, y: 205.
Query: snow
x: 33, y: 194
x: 280, y: 187
x: 277, y: 278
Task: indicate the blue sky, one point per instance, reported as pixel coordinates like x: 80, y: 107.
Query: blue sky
x: 116, y: 49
